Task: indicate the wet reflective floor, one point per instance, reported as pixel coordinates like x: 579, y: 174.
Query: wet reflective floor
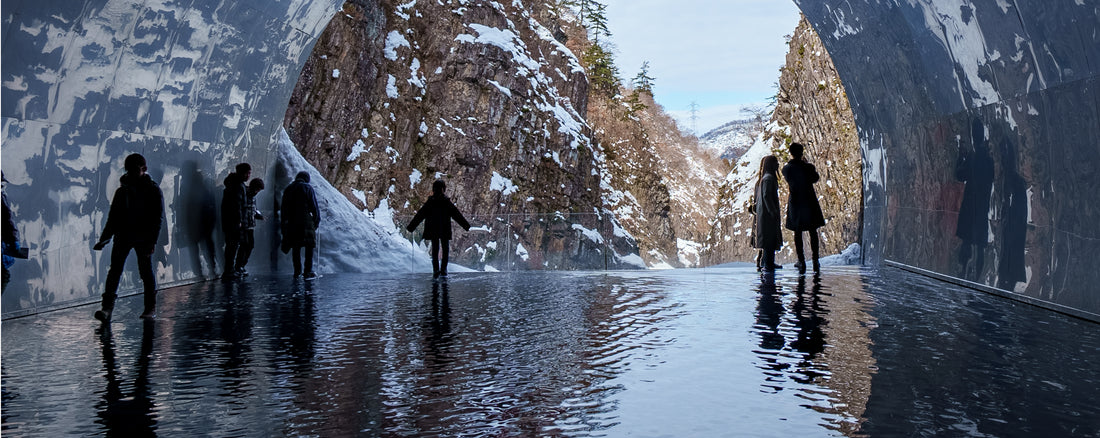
x: 704, y: 352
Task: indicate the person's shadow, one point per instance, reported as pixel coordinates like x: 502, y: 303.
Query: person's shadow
x: 121, y: 414
x: 197, y: 212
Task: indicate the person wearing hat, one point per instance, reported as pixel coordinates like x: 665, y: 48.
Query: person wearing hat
x: 134, y: 221
x: 437, y: 213
x: 299, y: 219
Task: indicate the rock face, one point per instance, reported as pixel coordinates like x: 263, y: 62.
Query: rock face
x: 660, y: 183
x: 811, y: 108
x: 480, y: 95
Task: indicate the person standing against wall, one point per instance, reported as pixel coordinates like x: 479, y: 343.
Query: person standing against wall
x: 134, y: 221
x: 803, y: 210
x: 768, y: 234
x: 234, y: 198
x: 248, y: 227
x: 300, y: 218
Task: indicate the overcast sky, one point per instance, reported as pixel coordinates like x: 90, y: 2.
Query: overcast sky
x: 719, y: 54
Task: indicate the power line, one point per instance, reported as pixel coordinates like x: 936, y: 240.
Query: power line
x: 694, y: 117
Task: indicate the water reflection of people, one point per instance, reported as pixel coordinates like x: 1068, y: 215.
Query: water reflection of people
x: 440, y: 321
x: 769, y: 315
x: 121, y: 414
x: 809, y: 321
x: 975, y: 169
x: 197, y: 213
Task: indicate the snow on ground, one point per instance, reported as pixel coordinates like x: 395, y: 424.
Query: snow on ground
x: 348, y: 239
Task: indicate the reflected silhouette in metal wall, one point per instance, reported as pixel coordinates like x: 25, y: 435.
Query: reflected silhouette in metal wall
x: 1012, y: 266
x: 975, y: 168
x: 196, y: 213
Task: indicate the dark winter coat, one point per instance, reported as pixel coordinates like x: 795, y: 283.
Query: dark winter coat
x: 234, y: 198
x: 11, y: 234
x: 767, y: 234
x: 803, y: 211
x: 437, y: 213
x: 300, y: 215
x: 248, y: 221
x: 137, y: 211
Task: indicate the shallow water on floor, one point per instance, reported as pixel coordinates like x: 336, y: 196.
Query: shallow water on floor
x: 705, y: 352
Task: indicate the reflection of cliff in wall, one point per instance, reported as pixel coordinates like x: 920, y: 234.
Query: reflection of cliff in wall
x: 1011, y: 266
x: 976, y: 170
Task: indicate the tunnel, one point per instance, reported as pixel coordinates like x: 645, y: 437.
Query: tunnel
x: 978, y: 123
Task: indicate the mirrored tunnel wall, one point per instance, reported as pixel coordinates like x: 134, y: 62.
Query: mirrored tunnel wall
x: 195, y: 85
x: 980, y: 131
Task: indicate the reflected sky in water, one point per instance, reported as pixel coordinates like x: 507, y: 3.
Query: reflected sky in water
x: 714, y: 352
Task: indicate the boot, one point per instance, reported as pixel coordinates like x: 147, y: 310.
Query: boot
x: 103, y: 315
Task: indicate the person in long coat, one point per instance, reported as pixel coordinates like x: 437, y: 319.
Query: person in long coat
x: 768, y: 235
x: 234, y: 198
x: 437, y: 213
x: 134, y: 221
x: 300, y: 218
x: 803, y: 210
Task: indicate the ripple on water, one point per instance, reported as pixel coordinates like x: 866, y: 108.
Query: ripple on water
x: 703, y: 352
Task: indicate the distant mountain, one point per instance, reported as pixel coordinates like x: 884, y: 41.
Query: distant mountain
x: 732, y: 139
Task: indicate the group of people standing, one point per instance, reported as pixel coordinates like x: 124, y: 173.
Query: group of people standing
x: 137, y: 215
x: 803, y: 211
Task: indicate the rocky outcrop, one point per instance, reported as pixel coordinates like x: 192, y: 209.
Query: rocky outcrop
x: 480, y: 95
x: 660, y: 182
x: 811, y: 108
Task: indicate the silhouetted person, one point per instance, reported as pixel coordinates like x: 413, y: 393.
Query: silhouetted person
x: 121, y: 414
x: 803, y: 211
x: 976, y: 170
x: 234, y: 199
x: 300, y: 218
x: 248, y: 225
x: 134, y: 221
x: 437, y: 213
x: 769, y: 235
x: 1012, y: 267
x: 12, y: 247
x: 198, y: 215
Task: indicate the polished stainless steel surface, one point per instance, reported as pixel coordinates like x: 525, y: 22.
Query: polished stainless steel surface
x: 979, y: 123
x: 196, y: 86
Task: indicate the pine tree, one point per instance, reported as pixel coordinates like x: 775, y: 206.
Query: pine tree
x: 643, y: 82
x: 597, y: 20
x: 602, y: 72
